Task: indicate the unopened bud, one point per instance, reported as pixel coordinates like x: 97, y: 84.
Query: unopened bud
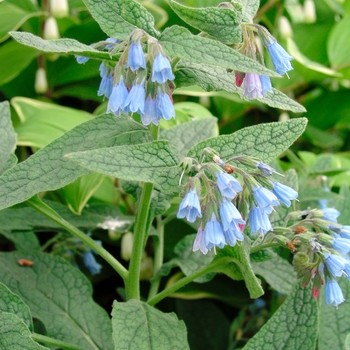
x: 309, y: 11
x: 51, y: 29
x: 126, y: 246
x: 284, y: 116
x: 40, y: 85
x: 146, y: 267
x: 59, y: 8
x: 285, y: 28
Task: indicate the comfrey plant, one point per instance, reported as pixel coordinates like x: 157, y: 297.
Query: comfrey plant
x: 240, y: 205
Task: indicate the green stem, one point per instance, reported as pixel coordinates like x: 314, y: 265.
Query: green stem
x: 132, y: 286
x: 44, y: 209
x: 54, y: 342
x: 183, y: 281
x: 158, y: 256
x: 263, y: 246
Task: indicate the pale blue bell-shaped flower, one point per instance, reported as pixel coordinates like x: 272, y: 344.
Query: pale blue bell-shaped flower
x: 118, y: 97
x: 214, y: 234
x: 279, y: 57
x: 345, y: 232
x: 199, y: 243
x: 91, y: 263
x: 164, y: 105
x: 106, y: 87
x: 252, y: 86
x: 150, y: 114
x: 341, y: 245
x: 284, y: 193
x: 265, y: 199
x: 190, y: 207
x: 266, y: 169
x: 333, y: 293
x: 230, y: 216
x: 136, y: 57
x: 266, y: 85
x: 335, y: 264
x: 228, y: 185
x: 135, y: 102
x: 82, y: 59
x: 330, y: 214
x: 161, y: 69
x: 113, y: 42
x: 259, y: 221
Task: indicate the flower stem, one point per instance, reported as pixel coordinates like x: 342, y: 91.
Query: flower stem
x: 54, y: 342
x: 263, y: 246
x: 183, y: 281
x: 40, y: 206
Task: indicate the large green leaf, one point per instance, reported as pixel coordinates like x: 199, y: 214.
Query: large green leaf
x: 7, y: 137
x: 212, y: 78
x: 293, y: 325
x: 48, y: 170
x: 184, y: 136
x: 62, y: 46
x: 264, y: 141
x: 15, y: 335
x: 25, y: 241
x: 136, y: 326
x: 43, y: 122
x: 179, y: 42
x: 60, y: 296
x: 334, y: 325
x: 118, y: 18
x: 250, y: 7
x: 155, y: 162
x: 12, y: 303
x: 221, y: 23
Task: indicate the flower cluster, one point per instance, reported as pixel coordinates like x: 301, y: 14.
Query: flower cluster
x: 214, y: 195
x: 255, y: 85
x: 140, y: 82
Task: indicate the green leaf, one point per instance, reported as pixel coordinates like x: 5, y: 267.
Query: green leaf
x: 334, y: 325
x: 212, y: 78
x: 278, y: 273
x: 61, y: 46
x: 315, y: 194
x: 15, y: 58
x: 221, y: 23
x: 155, y: 162
x: 12, y: 17
x: 118, y: 18
x: 48, y: 170
x: 15, y: 335
x: 137, y: 325
x: 12, y: 303
x: 263, y: 141
x: 24, y: 241
x: 294, y: 51
x: 44, y: 122
x: 184, y: 136
x: 179, y: 42
x: 323, y: 139
x: 344, y: 205
x: 293, y: 325
x: 160, y: 202
x: 188, y: 261
x: 60, y: 296
x: 250, y: 7
x: 7, y: 137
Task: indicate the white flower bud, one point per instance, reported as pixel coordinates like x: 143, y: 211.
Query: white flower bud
x: 309, y: 11
x: 51, y: 29
x: 41, y: 85
x: 285, y: 28
x: 59, y: 8
x: 283, y: 117
x: 126, y: 246
x: 146, y: 267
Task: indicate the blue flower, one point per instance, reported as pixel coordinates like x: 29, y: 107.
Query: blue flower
x: 232, y: 235
x: 106, y: 87
x: 252, y: 86
x: 136, y: 57
x: 190, y: 206
x: 118, y: 97
x: 265, y: 199
x: 330, y: 214
x: 228, y: 185
x: 284, y: 193
x: 341, y: 245
x: 265, y: 84
x: 135, y: 102
x: 91, y: 263
x: 164, y: 105
x: 267, y: 170
x: 112, y: 41
x: 230, y: 216
x: 280, y: 57
x: 82, y: 59
x: 335, y: 264
x: 213, y: 234
x: 150, y: 114
x: 333, y: 293
x: 199, y: 243
x: 259, y: 221
x: 161, y: 69
x: 345, y: 232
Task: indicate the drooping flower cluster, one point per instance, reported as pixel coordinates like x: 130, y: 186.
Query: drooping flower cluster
x: 140, y: 82
x: 214, y: 195
x: 255, y: 85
